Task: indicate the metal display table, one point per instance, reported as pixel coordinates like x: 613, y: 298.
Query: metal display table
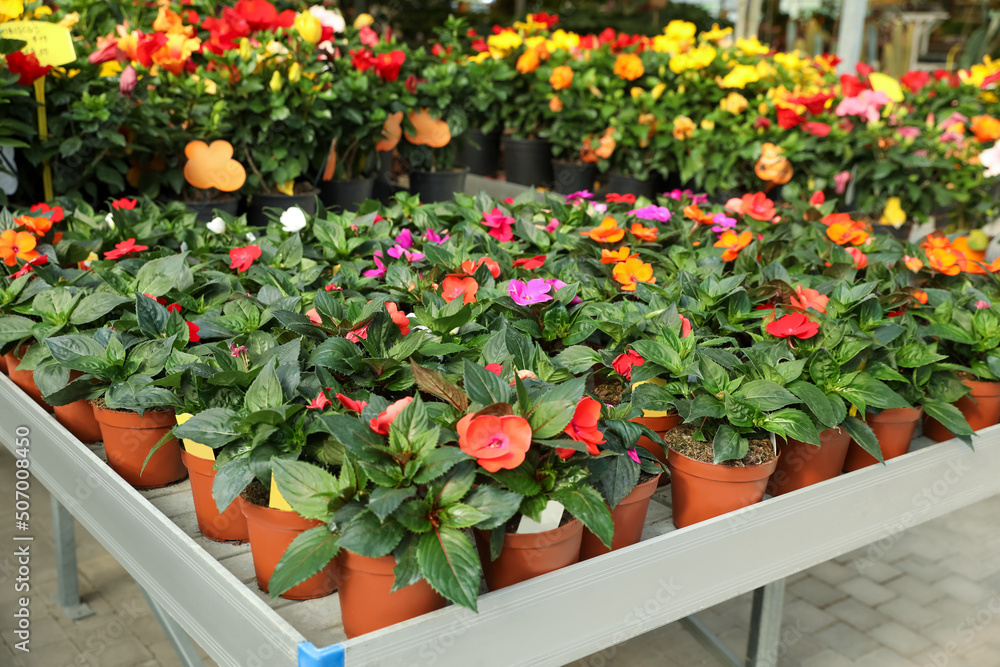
x: 208, y: 589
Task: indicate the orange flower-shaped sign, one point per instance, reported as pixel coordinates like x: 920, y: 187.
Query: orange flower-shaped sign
x: 430, y: 131
x: 392, y: 130
x: 773, y: 166
x: 213, y: 166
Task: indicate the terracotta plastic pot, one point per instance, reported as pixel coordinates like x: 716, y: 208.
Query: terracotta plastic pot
x: 701, y: 491
x: 227, y: 526
x: 366, y: 603
x: 271, y: 531
x: 981, y: 408
x: 524, y: 556
x: 802, y: 464
x: 894, y: 431
x: 78, y: 418
x: 3, y: 364
x: 661, y: 425
x: 629, y: 516
x: 128, y: 438
x: 25, y: 380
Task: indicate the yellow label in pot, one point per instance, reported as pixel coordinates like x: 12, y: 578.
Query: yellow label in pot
x: 195, y: 448
x: 278, y: 501
x: 652, y: 413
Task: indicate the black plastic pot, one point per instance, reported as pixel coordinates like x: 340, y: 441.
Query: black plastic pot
x: 570, y: 177
x: 205, y: 210
x: 528, y: 161
x: 346, y: 195
x: 629, y: 185
x: 265, y: 203
x: 435, y: 186
x: 481, y: 153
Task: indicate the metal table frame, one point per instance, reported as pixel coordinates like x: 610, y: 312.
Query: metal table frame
x: 587, y: 607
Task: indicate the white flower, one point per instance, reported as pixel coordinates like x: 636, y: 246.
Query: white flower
x: 184, y: 246
x: 293, y: 220
x: 217, y: 226
x: 251, y: 237
x: 110, y: 219
x: 990, y: 159
x: 328, y: 18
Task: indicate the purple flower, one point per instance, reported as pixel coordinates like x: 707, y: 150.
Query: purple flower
x: 398, y: 251
x: 434, y: 237
x: 379, y: 270
x: 634, y: 455
x: 405, y: 239
x: 722, y: 223
x: 653, y: 212
x: 697, y: 200
x: 527, y: 293
x: 578, y: 196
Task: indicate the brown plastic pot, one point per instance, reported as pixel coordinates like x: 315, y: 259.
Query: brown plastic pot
x: 128, y: 438
x: 629, y: 516
x: 228, y: 526
x: 802, y: 464
x: 981, y: 408
x: 894, y: 431
x: 366, y: 603
x: 701, y: 491
x: 271, y: 531
x: 25, y: 380
x: 78, y: 418
x: 524, y: 556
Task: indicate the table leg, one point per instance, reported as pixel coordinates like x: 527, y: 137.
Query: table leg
x: 185, y: 649
x: 68, y: 596
x: 765, y: 625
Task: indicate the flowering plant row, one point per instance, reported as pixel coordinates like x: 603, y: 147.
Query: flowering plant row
x: 413, y: 371
x: 301, y: 96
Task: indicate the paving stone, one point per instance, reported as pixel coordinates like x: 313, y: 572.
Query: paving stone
x: 974, y: 569
x: 831, y: 572
x: 921, y: 568
x: 911, y: 615
x: 962, y: 589
x: 880, y: 571
x: 858, y: 615
x: 827, y: 658
x: 938, y: 656
x: 807, y: 616
x: 867, y: 591
x: 816, y: 592
x: 883, y: 657
x: 983, y: 656
x: 914, y: 589
x: 900, y: 639
x: 846, y: 640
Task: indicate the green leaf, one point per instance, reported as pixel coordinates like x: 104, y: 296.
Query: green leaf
x: 230, y: 480
x: 816, y: 401
x: 766, y: 395
x: 864, y: 436
x: 265, y: 391
x: 307, y: 487
x: 549, y: 418
x: 917, y: 354
x: 450, y: 565
x: 498, y: 505
x: 14, y: 327
x: 577, y: 359
x: 460, y: 515
x: 384, y: 501
x: 484, y: 387
x: 159, y: 276
x: 214, y: 427
x: 865, y: 390
x: 793, y: 424
x: 950, y: 417
x: 307, y: 555
x: 97, y: 305
x: 729, y: 445
x: 823, y: 369
x: 587, y: 505
x: 438, y: 462
x: 366, y: 535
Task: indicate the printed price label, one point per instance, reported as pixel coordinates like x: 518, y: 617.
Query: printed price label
x: 50, y: 42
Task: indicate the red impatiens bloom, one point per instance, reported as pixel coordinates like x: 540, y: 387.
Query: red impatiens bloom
x: 158, y: 299
x: 362, y: 59
x: 387, y: 65
x: 816, y: 129
x: 915, y: 80
x: 398, y: 317
x: 384, y: 420
x: 818, y: 198
x: 351, y: 404
x: 359, y: 334
x: 615, y: 198
x: 494, y: 368
x: 471, y: 266
x: 124, y: 203
x: 30, y: 266
x: 624, y: 363
x: 583, y: 428
x: 851, y: 86
x: 27, y: 66
x: 174, y: 308
x: 530, y: 263
x: 500, y: 225
x: 497, y: 443
x: 320, y: 402
x: 193, y: 330
x: 454, y: 286
x: 795, y: 324
x: 242, y: 258
x: 262, y: 15
x: 56, y: 211
x: 787, y: 118
x: 126, y: 247
x: 814, y: 104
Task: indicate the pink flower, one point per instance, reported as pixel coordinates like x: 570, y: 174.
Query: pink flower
x: 840, y: 181
x: 527, y: 293
x: 980, y: 305
x: 909, y: 132
x: 398, y: 251
x: 368, y: 36
x: 552, y: 226
x: 405, y: 239
x: 600, y: 208
x: 653, y: 212
x: 866, y: 106
x: 723, y: 222
x: 677, y: 194
x: 952, y: 138
x: 499, y: 224
x: 128, y: 80
x: 434, y: 237
x: 578, y: 196
x: 557, y: 285
x: 359, y: 334
x: 314, y: 317
x: 380, y: 268
x: 634, y: 455
x: 953, y: 119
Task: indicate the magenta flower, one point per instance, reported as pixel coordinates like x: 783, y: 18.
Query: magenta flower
x: 677, y: 194
x: 557, y: 285
x: 405, y: 239
x: 952, y: 138
x: 653, y: 212
x: 552, y: 226
x: 500, y: 225
x: 866, y: 106
x: 723, y: 223
x: 578, y: 196
x: 980, y: 305
x: 527, y: 293
x: 840, y: 181
x: 398, y: 251
x: 698, y: 200
x: 634, y: 455
x: 434, y: 237
x: 379, y: 270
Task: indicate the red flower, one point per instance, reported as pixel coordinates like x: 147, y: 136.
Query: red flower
x: 817, y: 198
x: 174, y: 308
x: 242, y: 258
x: 57, y: 211
x: 193, y: 330
x: 583, y: 428
x: 685, y: 327
x: 384, y: 420
x: 814, y: 104
x: 27, y: 66
x: 495, y: 369
x: 497, y: 443
x: 362, y: 59
x: 470, y: 266
x: 367, y: 36
x: 387, y: 64
x: 412, y: 82
x: 124, y: 248
x: 761, y: 123
x: 351, y: 404
x: 851, y: 85
x: 454, y: 286
x: 615, y: 198
x: 795, y: 324
x: 816, y: 129
x: 30, y: 266
x: 262, y: 15
x: 863, y: 69
x: 624, y: 363
x: 787, y: 118
x: 530, y: 263
x: 398, y: 318
x: 124, y: 203
x: 860, y: 258
x: 320, y: 402
x: 915, y: 80
x: 359, y: 334
x: 158, y: 299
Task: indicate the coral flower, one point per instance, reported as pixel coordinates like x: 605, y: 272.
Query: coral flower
x: 615, y: 198
x: 607, y: 232
x: 314, y: 317
x: 615, y: 256
x: 920, y: 296
x: 384, y: 420
x: 562, y: 77
x: 986, y: 128
x: 454, y: 286
x: 733, y: 243
x: 633, y: 271
x: 694, y: 213
x: 320, y: 402
x: 757, y: 206
x: 398, y: 318
x: 628, y: 66
x: 944, y: 260
x: 242, y: 258
x: 470, y: 266
x: 497, y: 443
x: 806, y: 297
x: 530, y: 263
x: 913, y: 263
x: 795, y: 324
x: 847, y: 233
x: 126, y: 247
x: 499, y: 224
x: 685, y: 327
x: 644, y: 233
x: 860, y: 258
x: 14, y: 245
x: 56, y: 211
x: 583, y: 428
x: 352, y: 404
x: 624, y: 363
x: 494, y: 368
x: 555, y: 104
x: 37, y: 226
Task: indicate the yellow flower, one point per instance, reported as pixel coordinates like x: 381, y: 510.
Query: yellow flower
x: 294, y: 73
x: 790, y: 61
x: 683, y: 128
x: 976, y: 74
x: 501, y: 45
x: 698, y: 58
x: 636, y: 91
x: 534, y: 41
x: 287, y: 188
x: 363, y: 20
x: 716, y: 33
x: 707, y: 124
x: 308, y: 27
x: 893, y: 213
x: 734, y: 103
x: 740, y: 76
x: 752, y: 47
x: 246, y: 51
x: 563, y: 41
x: 210, y: 86
x: 658, y: 90
x: 681, y: 31
x: 479, y: 57
x: 110, y: 68
x: 70, y: 20
x: 276, y: 84
x: 10, y: 9
x: 41, y: 11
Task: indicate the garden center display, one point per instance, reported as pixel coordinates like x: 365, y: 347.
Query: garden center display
x: 404, y: 398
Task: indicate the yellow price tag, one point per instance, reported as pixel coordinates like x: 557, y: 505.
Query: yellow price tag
x: 50, y: 42
x: 195, y: 448
x: 278, y: 501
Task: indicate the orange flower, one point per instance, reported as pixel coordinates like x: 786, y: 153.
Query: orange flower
x: 583, y: 428
x: 628, y: 66
x: 683, y: 128
x: 37, y: 226
x: 633, y: 271
x: 14, y: 245
x: 174, y: 54
x: 913, y: 263
x: 986, y: 128
x: 562, y: 77
x: 607, y: 232
x: 961, y: 244
x: 936, y: 240
x: 497, y: 443
x: 607, y: 144
x: 454, y: 286
x: 733, y: 243
x: 920, y: 296
x: 528, y: 62
x: 695, y: 214
x: 644, y: 233
x: 615, y: 256
x: 806, y: 297
x: 587, y: 153
x: 470, y: 266
x: 860, y: 258
x: 842, y: 218
x: 555, y: 104
x: 398, y: 318
x: 843, y: 234
x: 945, y: 260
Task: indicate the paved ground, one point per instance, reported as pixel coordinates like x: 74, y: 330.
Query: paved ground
x: 927, y: 597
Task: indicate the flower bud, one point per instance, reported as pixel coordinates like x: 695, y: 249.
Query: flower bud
x: 276, y: 83
x: 363, y: 20
x: 309, y: 27
x: 294, y: 73
x: 245, y: 51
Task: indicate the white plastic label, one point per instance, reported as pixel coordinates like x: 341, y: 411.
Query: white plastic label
x: 551, y: 516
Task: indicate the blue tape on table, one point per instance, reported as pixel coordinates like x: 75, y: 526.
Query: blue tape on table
x: 329, y: 656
